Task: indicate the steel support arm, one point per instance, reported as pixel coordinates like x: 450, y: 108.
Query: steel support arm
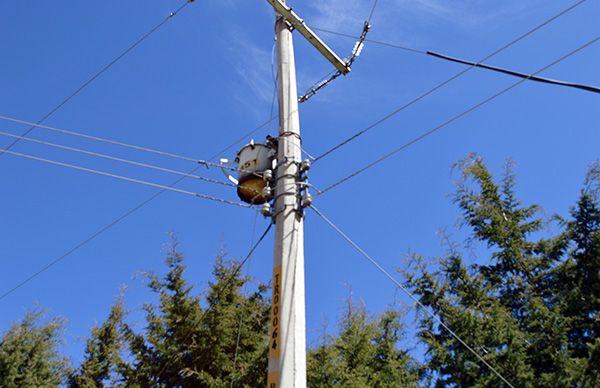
x: 298, y: 24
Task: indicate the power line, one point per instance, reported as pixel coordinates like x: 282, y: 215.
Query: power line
x: 206, y: 163
x: 124, y: 178
x: 393, y: 45
x: 114, y: 158
x: 123, y: 217
x: 274, y: 76
x: 245, y: 136
x: 410, y: 295
x: 444, y: 83
x: 372, y: 11
x: 239, y: 331
x: 102, y: 71
x: 454, y: 118
x: 589, y: 88
x: 109, y: 141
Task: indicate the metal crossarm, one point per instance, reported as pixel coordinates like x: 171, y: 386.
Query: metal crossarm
x: 290, y: 16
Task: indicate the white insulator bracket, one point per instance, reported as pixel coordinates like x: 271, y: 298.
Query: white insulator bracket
x: 265, y: 210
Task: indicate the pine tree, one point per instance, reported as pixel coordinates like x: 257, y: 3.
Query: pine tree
x: 29, y: 356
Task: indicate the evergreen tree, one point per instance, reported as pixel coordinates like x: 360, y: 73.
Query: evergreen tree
x: 188, y: 345
x: 530, y: 308
x: 29, y: 355
x: 579, y: 276
x: 524, y: 312
x: 577, y: 284
x: 102, y: 365
x: 365, y: 354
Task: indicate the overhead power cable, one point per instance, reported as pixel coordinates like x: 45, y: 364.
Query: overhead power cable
x: 124, y: 216
x: 117, y: 159
x: 114, y: 142
x: 454, y: 118
x: 372, y: 11
x: 589, y: 88
x: 242, y: 310
x: 447, y: 81
x: 103, y: 70
x: 124, y: 178
x: 411, y: 296
x: 350, y: 36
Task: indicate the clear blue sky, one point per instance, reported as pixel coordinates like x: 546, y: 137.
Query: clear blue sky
x: 204, y: 79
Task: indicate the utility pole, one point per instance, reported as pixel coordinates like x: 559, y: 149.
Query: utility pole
x: 287, y: 335
x: 287, y: 343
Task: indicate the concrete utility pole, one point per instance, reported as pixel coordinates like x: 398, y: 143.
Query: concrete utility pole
x: 287, y: 347
x: 287, y: 341
x: 256, y: 183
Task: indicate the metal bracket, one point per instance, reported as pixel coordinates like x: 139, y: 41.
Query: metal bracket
x: 349, y: 62
x: 224, y: 162
x: 290, y: 16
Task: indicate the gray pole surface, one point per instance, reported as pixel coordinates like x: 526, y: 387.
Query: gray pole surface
x: 287, y: 341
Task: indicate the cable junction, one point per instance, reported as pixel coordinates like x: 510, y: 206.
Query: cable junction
x: 356, y: 51
x: 454, y: 118
x: 447, y: 81
x: 108, y: 141
x: 410, y: 295
x: 378, y: 42
x: 124, y: 178
x: 206, y: 163
x: 103, y: 70
x: 117, y: 159
x: 125, y: 215
x: 589, y: 88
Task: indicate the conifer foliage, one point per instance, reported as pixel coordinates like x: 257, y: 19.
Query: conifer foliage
x: 529, y: 304
x: 103, y: 366
x: 364, y: 354
x: 529, y: 308
x: 186, y: 342
x: 29, y: 355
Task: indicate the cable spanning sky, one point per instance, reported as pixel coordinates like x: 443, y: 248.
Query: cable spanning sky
x: 203, y: 81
